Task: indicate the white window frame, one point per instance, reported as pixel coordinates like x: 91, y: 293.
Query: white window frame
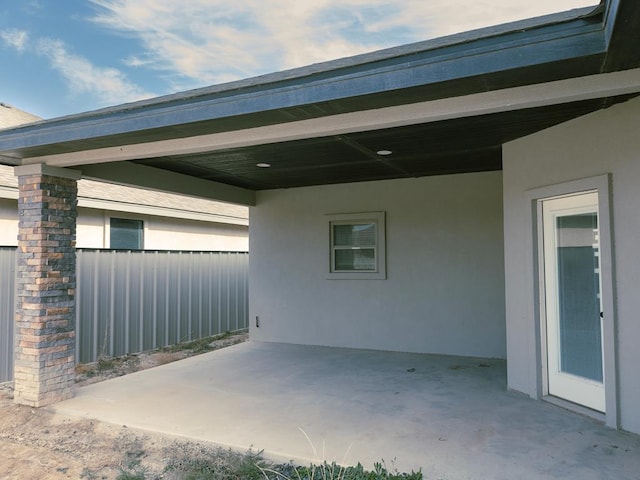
x: 380, y: 270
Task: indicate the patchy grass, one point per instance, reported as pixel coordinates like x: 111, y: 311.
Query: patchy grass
x: 332, y: 471
x: 196, y: 461
x: 196, y: 347
x: 190, y: 461
x: 187, y: 460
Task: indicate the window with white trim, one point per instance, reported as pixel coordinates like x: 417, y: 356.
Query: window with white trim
x: 357, y: 246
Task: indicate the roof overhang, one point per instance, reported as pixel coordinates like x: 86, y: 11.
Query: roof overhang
x: 324, y: 123
x: 465, y: 106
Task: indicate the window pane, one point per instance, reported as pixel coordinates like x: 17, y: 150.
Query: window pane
x: 355, y: 260
x: 357, y: 246
x: 361, y: 235
x: 579, y: 295
x: 125, y: 234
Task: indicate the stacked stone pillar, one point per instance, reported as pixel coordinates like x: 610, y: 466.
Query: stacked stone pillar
x: 46, y: 282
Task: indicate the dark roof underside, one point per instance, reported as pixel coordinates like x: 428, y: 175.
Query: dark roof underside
x: 454, y: 146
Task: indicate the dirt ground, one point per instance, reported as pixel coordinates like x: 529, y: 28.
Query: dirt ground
x: 36, y: 444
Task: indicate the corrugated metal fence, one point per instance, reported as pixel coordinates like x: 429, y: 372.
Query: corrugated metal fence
x: 128, y: 302
x: 134, y: 301
x: 7, y: 302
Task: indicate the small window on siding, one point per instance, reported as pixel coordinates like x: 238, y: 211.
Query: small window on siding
x: 357, y: 246
x: 125, y: 234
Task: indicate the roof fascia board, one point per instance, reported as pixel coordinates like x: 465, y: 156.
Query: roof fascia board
x: 497, y: 101
x: 610, y: 16
x: 134, y: 175
x: 329, y: 67
x: 9, y: 160
x: 115, y: 206
x: 622, y: 25
x: 9, y: 192
x: 546, y: 44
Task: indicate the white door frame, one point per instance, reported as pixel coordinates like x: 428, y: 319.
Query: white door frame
x: 601, y: 184
x: 565, y: 385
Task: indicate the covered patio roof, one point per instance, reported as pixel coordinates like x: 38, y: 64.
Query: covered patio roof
x: 440, y: 106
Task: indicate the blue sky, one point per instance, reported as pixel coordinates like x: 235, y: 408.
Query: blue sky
x: 69, y: 56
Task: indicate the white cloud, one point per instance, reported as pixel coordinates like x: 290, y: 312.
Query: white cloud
x: 15, y: 38
x: 108, y: 85
x: 32, y: 7
x: 445, y: 17
x: 210, y: 41
x: 213, y: 40
x: 202, y: 42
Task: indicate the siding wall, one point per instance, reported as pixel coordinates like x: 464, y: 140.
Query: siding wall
x: 128, y: 302
x: 160, y: 233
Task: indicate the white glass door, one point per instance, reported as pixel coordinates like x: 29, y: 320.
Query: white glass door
x: 573, y: 303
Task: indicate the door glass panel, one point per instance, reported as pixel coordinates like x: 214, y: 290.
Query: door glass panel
x: 579, y: 325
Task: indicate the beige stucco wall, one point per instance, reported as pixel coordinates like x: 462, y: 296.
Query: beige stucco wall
x: 90, y: 229
x: 444, y: 291
x: 175, y: 234
x: 160, y: 233
x: 8, y: 222
x: 603, y: 142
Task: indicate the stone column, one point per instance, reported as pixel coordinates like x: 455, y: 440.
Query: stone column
x: 46, y: 282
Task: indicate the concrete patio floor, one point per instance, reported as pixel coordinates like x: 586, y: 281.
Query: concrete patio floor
x: 450, y: 416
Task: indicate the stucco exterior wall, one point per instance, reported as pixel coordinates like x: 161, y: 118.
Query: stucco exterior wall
x: 596, y: 144
x: 90, y: 229
x: 444, y: 291
x: 8, y: 222
x: 175, y: 234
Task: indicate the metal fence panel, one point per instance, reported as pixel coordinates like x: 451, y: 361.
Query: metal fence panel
x: 7, y: 311
x: 129, y: 302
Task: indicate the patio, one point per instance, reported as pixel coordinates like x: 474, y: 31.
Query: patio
x: 450, y: 416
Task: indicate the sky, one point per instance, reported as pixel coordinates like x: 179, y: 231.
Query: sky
x: 69, y: 56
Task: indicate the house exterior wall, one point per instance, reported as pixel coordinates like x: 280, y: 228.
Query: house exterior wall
x: 90, y: 229
x: 176, y: 234
x: 605, y: 142
x: 444, y: 291
x: 160, y: 233
x: 8, y: 222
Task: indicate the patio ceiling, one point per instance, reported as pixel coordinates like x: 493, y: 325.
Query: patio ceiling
x: 446, y: 147
x: 441, y: 106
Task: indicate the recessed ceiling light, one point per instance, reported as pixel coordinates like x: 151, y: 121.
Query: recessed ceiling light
x: 384, y: 152
x: 263, y: 165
